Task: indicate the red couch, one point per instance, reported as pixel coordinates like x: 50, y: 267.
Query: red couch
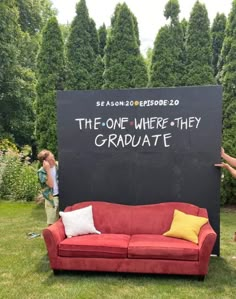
x: 131, y: 240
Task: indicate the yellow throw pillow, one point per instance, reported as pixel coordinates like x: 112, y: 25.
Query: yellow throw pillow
x: 185, y: 226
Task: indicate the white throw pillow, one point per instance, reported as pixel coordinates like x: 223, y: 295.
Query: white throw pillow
x: 79, y: 222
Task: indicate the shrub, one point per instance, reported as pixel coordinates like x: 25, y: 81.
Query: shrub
x: 7, y: 145
x: 18, y: 180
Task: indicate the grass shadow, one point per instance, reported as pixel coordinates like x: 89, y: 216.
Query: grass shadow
x: 43, y: 265
x: 227, y: 275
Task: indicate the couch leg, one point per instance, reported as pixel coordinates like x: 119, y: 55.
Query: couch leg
x: 56, y: 271
x: 201, y: 277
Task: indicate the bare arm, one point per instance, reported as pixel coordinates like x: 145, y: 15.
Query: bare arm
x: 228, y: 158
x: 228, y: 167
x: 231, y: 170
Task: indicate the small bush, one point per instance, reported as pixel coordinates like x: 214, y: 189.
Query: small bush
x: 18, y: 180
x: 7, y: 145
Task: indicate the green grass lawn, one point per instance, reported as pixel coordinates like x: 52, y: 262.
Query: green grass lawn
x: 25, y: 271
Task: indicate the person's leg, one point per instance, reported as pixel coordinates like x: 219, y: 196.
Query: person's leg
x: 56, y: 203
x: 51, y: 212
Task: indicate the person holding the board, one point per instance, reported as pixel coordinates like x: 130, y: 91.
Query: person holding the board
x: 48, y: 178
x: 231, y: 163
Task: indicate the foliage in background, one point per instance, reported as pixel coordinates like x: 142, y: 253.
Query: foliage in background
x: 124, y: 65
x: 199, y: 69
x: 167, y: 67
x: 102, y: 38
x: 148, y: 61
x: 17, y: 83
x: 81, y: 49
x: 51, y: 77
x: 218, y: 34
x: 228, y: 74
x: 93, y: 35
x: 7, y: 145
x: 98, y: 70
x: 136, y: 31
x: 33, y: 15
x: 20, y: 25
x: 65, y: 30
x: 184, y: 24
x: 18, y: 179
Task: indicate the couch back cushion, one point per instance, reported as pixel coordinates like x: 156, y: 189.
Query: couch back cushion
x: 141, y: 219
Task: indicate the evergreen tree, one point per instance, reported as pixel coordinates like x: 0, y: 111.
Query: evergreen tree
x: 199, y: 69
x: 81, y: 54
x: 161, y: 62
x: 124, y: 65
x: 136, y: 31
x: 135, y: 22
x: 148, y: 61
x: 172, y: 11
x: 50, y: 78
x: 97, y: 79
x: 102, y: 37
x: 184, y: 24
x: 16, y: 81
x: 94, y: 36
x: 65, y: 29
x: 167, y: 66
x: 229, y: 35
x: 218, y: 33
x: 116, y: 14
x: 229, y: 102
x: 33, y: 15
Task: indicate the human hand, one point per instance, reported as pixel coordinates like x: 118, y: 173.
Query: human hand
x: 222, y: 152
x: 46, y: 165
x: 222, y: 165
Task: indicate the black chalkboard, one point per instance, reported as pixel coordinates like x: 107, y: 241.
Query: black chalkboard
x: 141, y: 146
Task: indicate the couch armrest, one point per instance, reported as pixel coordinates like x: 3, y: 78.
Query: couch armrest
x: 53, y: 235
x: 206, y: 242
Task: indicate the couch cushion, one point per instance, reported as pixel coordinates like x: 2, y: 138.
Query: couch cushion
x: 104, y: 245
x: 185, y: 226
x: 79, y: 222
x: 161, y: 247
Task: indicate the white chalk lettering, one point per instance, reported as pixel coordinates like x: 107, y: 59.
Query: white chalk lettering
x: 188, y: 122
x: 137, y: 141
x: 120, y: 141
x: 84, y: 122
x: 80, y: 122
x: 97, y: 122
x: 103, y: 141
x: 146, y: 140
x: 165, y: 137
x: 198, y: 121
x: 150, y: 123
x: 88, y: 123
x: 191, y: 122
x: 111, y: 139
x: 117, y: 123
x: 156, y: 138
x: 114, y: 140
x: 128, y: 139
